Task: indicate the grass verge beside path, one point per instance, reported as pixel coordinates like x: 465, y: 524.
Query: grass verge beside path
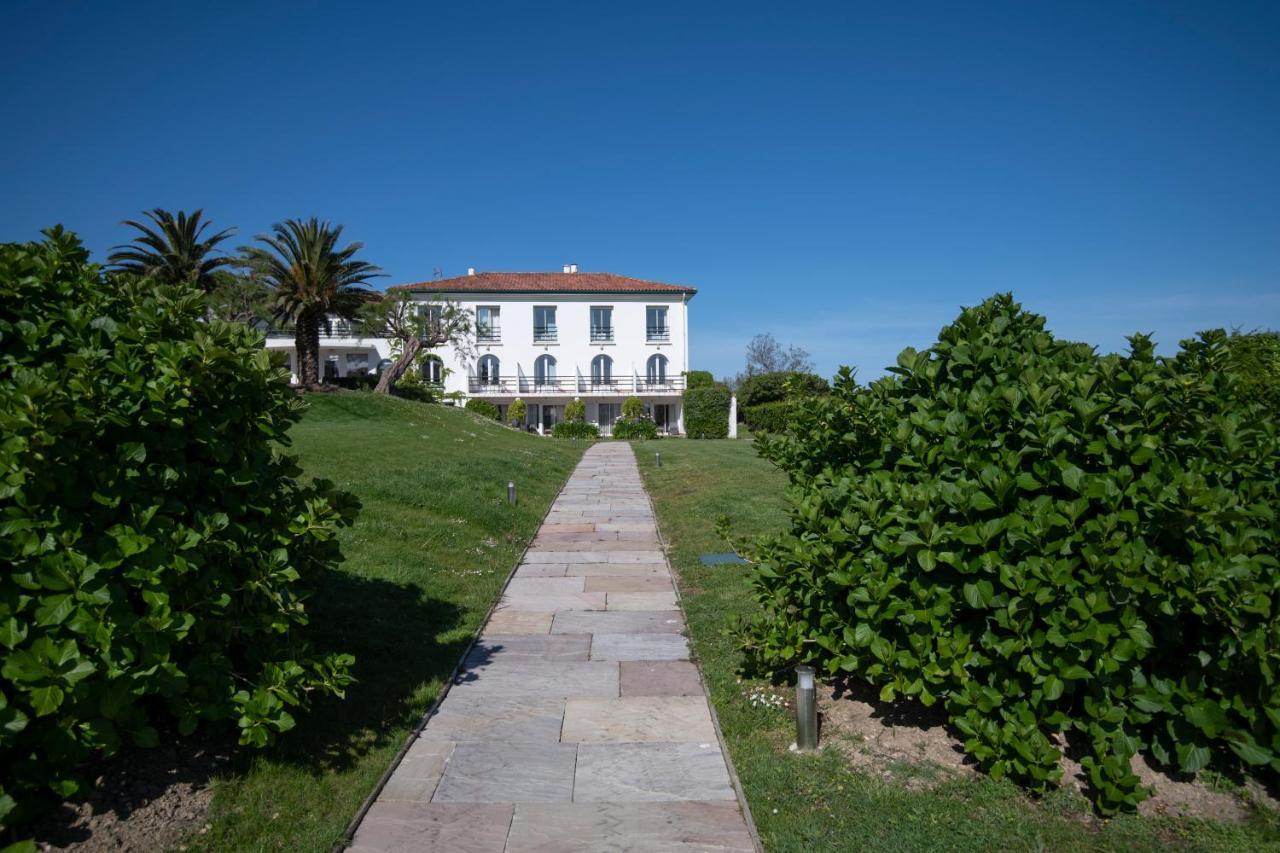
x: 425, y: 560
x: 811, y: 803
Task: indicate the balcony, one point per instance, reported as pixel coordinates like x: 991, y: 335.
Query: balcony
x: 658, y: 334
x: 570, y: 386
x: 602, y: 334
x: 488, y: 335
x: 545, y: 334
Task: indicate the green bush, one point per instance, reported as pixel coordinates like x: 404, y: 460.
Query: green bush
x: 633, y: 408
x: 768, y: 417
x: 484, y: 408
x: 779, y: 386
x: 706, y: 412
x: 575, y: 429
x: 1255, y: 359
x: 1045, y: 541
x: 516, y: 412
x: 699, y: 379
x: 575, y: 412
x: 635, y: 428
x: 155, y: 537
x: 359, y: 382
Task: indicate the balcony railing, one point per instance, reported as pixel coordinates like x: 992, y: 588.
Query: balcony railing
x: 331, y: 330
x: 601, y: 334
x: 543, y: 334
x: 488, y: 334
x: 660, y: 334
x: 574, y: 386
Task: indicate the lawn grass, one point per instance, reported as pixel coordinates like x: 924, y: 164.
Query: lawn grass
x: 808, y: 803
x: 432, y: 547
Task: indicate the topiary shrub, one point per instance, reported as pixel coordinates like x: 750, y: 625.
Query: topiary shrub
x: 516, y: 413
x: 575, y: 412
x: 706, y: 412
x: 779, y: 386
x: 484, y: 408
x: 156, y: 539
x: 1044, y: 541
x: 699, y: 379
x: 575, y: 429
x: 635, y: 428
x: 633, y: 408
x: 768, y: 417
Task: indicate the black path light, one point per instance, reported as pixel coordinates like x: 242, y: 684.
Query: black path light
x: 806, y: 710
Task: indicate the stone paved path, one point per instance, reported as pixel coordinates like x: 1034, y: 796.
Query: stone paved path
x: 579, y: 723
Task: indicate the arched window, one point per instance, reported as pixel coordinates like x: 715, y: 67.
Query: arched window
x: 601, y: 370
x: 488, y: 370
x: 657, y: 369
x: 544, y: 370
x: 433, y: 370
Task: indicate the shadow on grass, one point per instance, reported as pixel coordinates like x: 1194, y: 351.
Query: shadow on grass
x: 394, y: 631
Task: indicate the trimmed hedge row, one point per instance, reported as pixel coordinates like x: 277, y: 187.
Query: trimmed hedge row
x: 484, y: 408
x: 706, y: 412
x: 768, y: 417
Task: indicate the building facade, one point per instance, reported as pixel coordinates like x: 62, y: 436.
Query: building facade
x: 548, y: 338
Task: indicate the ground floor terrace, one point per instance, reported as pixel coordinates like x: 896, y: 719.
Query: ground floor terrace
x: 542, y: 413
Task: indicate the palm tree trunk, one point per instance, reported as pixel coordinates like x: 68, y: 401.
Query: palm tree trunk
x: 306, y: 343
x: 394, y: 371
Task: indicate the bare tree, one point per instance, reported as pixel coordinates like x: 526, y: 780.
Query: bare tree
x: 415, y: 327
x: 766, y: 355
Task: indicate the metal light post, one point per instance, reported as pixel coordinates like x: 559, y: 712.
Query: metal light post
x: 511, y: 492
x: 806, y: 710
x: 658, y: 458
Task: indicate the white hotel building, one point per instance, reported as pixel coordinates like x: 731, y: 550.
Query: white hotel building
x: 547, y: 338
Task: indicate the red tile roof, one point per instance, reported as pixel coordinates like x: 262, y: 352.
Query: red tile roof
x: 543, y: 282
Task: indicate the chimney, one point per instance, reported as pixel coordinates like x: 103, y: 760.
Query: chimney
x: 566, y: 267
x: 471, y: 270
x: 573, y: 267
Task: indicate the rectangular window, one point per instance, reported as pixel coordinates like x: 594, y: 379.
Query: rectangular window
x: 544, y: 323
x: 488, y: 323
x: 601, y: 324
x: 656, y: 328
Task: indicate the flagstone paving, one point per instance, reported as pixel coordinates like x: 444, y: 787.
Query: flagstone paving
x: 578, y: 722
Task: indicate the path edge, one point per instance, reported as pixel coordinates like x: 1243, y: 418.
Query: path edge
x: 348, y: 835
x: 715, y: 718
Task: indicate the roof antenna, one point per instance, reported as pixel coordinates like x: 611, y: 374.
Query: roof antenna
x: 437, y: 273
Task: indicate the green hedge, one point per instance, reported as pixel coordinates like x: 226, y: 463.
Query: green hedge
x: 155, y: 537
x: 635, y: 428
x: 575, y: 429
x: 483, y: 407
x: 768, y: 417
x: 776, y: 387
x: 1044, y: 541
x: 575, y: 412
x: 706, y: 412
x: 699, y: 379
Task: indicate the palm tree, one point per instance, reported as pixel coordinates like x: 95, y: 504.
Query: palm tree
x: 312, y: 279
x: 174, y: 251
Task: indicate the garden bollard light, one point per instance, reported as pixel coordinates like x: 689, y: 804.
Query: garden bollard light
x: 511, y: 492
x: 658, y: 457
x: 806, y: 710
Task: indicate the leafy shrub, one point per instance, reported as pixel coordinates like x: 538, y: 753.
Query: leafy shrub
x: 516, y: 412
x: 699, y: 379
x: 633, y: 408
x: 768, y: 417
x: 358, y: 382
x: 706, y: 412
x: 1044, y: 540
x: 155, y: 537
x: 484, y: 408
x: 779, y: 386
x: 1255, y: 359
x: 575, y: 412
x: 575, y: 429
x: 635, y: 428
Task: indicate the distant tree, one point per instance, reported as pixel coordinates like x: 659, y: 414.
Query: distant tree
x: 173, y: 249
x: 311, y: 279
x: 239, y: 297
x: 766, y: 355
x: 415, y: 327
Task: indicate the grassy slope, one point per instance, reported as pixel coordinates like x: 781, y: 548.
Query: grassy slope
x: 803, y: 803
x: 426, y: 559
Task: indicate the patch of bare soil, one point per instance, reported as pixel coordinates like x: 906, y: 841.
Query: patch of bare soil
x: 913, y: 746
x: 144, y: 799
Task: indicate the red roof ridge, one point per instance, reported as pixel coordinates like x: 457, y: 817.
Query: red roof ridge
x: 543, y: 282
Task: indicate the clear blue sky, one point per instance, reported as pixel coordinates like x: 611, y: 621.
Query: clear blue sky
x: 842, y: 176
